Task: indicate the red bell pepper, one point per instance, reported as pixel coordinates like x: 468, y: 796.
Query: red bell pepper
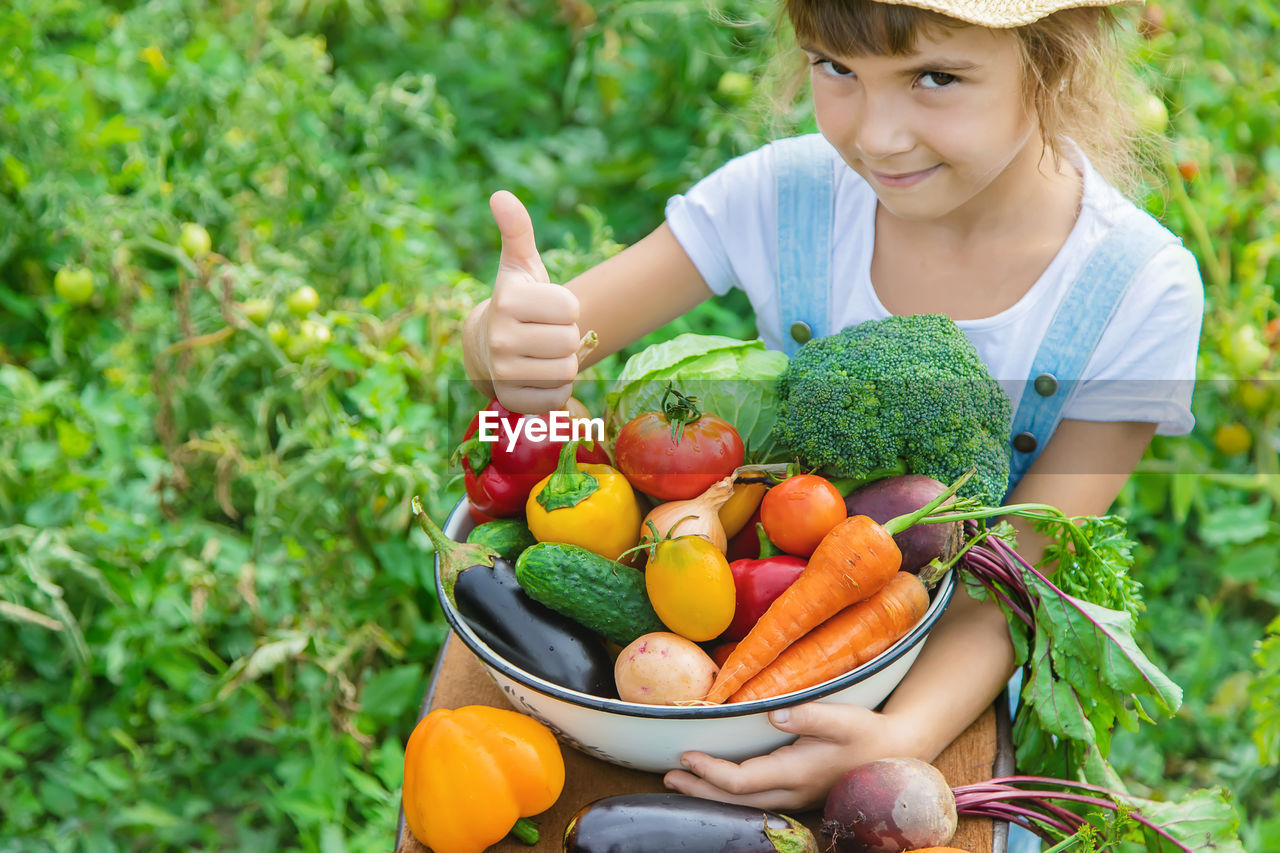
x: 758, y: 582
x: 498, y: 478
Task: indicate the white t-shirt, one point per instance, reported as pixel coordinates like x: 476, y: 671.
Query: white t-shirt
x: 1143, y: 368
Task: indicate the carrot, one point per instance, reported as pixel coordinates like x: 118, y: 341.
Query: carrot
x: 851, y: 562
x: 847, y: 640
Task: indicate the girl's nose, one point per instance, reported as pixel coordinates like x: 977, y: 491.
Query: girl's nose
x: 882, y: 132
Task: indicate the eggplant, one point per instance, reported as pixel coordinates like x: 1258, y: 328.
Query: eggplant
x: 675, y: 823
x: 530, y: 635
x: 482, y: 587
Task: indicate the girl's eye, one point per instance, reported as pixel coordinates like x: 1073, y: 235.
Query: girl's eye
x: 936, y: 79
x: 827, y: 66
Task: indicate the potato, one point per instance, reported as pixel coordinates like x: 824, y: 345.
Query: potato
x: 662, y: 669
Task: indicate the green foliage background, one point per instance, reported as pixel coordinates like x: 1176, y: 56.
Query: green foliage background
x: 215, y: 623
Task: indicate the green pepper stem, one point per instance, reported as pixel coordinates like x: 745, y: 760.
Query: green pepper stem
x: 454, y: 556
x: 767, y: 548
x: 770, y: 474
x: 568, y: 486
x: 476, y: 453
x: 526, y: 830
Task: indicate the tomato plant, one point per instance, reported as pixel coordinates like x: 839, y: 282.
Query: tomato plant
x: 799, y: 511
x: 679, y: 451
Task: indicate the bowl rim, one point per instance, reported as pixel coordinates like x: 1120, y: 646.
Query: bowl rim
x: 940, y: 599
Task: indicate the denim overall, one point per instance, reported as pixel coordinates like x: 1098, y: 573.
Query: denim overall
x: 803, y: 167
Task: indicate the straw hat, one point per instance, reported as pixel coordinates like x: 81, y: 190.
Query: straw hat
x: 1001, y: 14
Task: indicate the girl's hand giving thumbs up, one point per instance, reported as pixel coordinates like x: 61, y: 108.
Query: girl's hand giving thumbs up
x: 525, y: 343
x: 526, y: 340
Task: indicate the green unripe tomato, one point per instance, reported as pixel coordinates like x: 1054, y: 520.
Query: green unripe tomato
x: 1152, y: 114
x: 312, y: 337
x: 257, y: 309
x: 1248, y: 351
x: 278, y: 333
x: 194, y: 240
x: 303, y: 301
x: 735, y: 84
x: 74, y: 285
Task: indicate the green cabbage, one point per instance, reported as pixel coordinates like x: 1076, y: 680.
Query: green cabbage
x: 734, y: 379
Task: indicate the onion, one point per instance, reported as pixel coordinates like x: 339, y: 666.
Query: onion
x: 698, y: 516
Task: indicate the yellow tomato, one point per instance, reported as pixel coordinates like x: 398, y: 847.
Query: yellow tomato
x: 691, y: 587
x: 1233, y: 438
x: 1253, y: 396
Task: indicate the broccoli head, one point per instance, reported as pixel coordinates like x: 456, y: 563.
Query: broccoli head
x: 905, y: 394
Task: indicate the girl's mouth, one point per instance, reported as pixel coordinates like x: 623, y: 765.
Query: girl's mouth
x: 903, y: 179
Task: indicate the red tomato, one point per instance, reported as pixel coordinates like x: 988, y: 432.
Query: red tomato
x: 799, y: 511
x: 679, y: 452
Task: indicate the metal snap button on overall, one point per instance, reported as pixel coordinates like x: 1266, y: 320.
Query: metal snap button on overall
x: 1046, y: 384
x: 1024, y: 442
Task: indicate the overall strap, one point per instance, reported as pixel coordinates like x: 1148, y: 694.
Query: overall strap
x: 802, y: 165
x: 1075, y: 330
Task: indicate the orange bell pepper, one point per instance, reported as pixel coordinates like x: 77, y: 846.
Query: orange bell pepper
x: 472, y: 774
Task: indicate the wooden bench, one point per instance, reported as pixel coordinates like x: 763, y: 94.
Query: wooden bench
x: 981, y: 752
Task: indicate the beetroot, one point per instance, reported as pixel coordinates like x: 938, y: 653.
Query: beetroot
x: 889, y: 805
x: 897, y: 804
x: 884, y: 499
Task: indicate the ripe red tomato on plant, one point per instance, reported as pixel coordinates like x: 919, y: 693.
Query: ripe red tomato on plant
x: 678, y: 452
x: 799, y: 511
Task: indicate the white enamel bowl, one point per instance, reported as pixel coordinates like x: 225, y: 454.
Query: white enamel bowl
x: 652, y: 737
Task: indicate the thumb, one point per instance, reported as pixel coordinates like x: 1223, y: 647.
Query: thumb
x: 825, y: 720
x: 519, y: 251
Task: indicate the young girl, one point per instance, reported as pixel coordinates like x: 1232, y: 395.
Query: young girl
x: 958, y: 171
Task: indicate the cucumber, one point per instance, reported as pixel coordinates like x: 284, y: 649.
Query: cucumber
x: 604, y: 595
x: 507, y: 536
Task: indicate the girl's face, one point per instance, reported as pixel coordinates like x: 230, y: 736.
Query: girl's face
x: 934, y: 130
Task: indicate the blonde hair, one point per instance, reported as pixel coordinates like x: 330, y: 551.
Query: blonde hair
x: 1078, y: 77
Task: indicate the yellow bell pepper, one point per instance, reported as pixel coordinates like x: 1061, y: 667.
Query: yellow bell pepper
x: 584, y: 504
x: 737, y: 511
x: 474, y: 774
